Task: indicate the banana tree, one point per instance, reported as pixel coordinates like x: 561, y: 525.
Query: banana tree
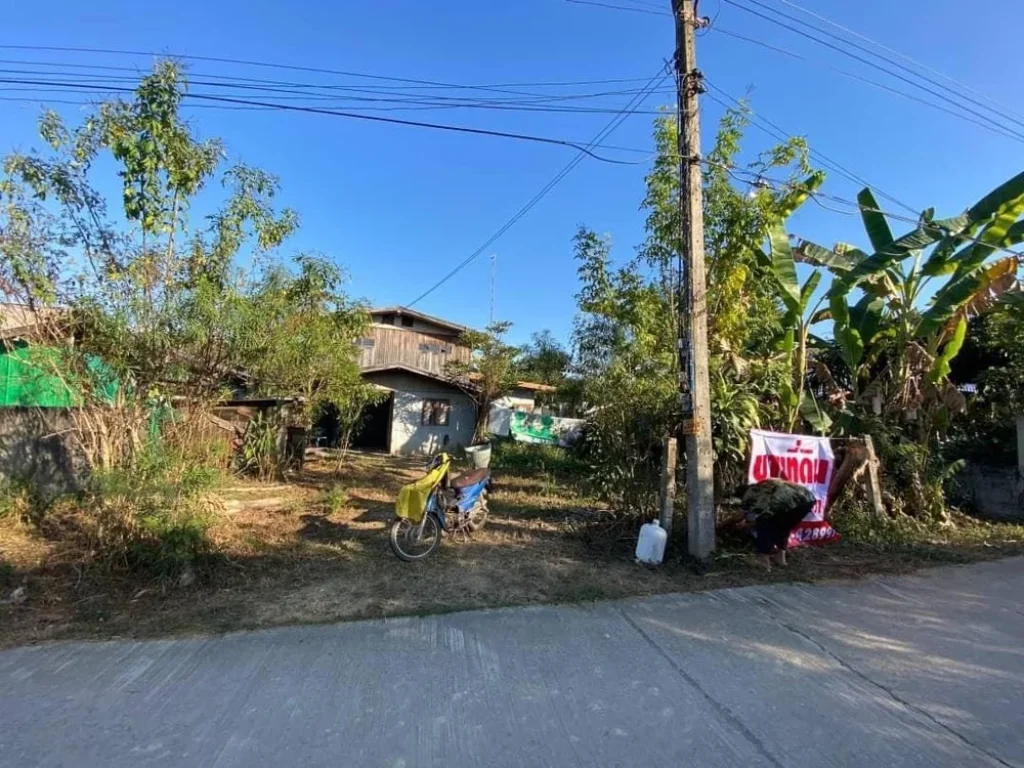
x: 796, y: 324
x: 920, y: 326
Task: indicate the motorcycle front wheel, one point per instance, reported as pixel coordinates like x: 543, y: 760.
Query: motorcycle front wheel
x: 411, y: 544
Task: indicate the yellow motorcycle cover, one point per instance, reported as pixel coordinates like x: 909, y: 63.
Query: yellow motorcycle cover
x: 412, y: 499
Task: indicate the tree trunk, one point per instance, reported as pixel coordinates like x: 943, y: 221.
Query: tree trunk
x: 482, y: 415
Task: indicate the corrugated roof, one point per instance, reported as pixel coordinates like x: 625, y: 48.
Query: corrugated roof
x: 440, y: 377
x: 399, y: 310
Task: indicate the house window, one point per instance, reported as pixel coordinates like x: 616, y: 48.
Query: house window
x: 439, y: 348
x: 366, y: 343
x: 406, y: 322
x: 436, y: 412
x: 387, y: 319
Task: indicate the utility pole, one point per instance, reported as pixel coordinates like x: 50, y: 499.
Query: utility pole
x: 694, y: 387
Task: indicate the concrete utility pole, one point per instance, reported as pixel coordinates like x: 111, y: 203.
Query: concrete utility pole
x: 693, y: 328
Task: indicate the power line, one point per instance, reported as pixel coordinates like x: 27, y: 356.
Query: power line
x: 616, y: 7
x: 779, y: 133
x: 874, y: 83
x: 247, y: 103
x: 536, y: 102
x: 370, y: 118
x: 984, y: 121
x: 626, y: 111
x: 289, y: 87
x: 775, y: 184
x: 452, y: 86
x: 82, y: 87
x: 903, y: 56
x: 247, y: 63
x: 861, y: 59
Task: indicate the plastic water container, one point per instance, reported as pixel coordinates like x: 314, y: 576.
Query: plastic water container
x: 480, y: 455
x: 650, y: 547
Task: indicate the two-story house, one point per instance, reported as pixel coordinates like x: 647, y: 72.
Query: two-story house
x: 407, y: 353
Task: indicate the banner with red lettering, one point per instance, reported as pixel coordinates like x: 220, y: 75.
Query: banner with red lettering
x: 807, y: 461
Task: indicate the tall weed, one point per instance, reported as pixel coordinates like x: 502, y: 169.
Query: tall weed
x: 151, y: 517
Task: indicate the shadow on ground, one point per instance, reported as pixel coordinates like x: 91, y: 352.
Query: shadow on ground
x: 302, y: 562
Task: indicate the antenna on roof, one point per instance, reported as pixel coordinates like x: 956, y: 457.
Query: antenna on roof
x: 494, y: 271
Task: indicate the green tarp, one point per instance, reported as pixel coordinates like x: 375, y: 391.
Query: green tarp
x: 33, y: 377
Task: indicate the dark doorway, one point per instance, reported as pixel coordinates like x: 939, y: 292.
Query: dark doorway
x: 375, y: 432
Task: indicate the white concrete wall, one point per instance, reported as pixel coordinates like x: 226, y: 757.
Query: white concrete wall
x: 408, y: 434
x: 517, y: 400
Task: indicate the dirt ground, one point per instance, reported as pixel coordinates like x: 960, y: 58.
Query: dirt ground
x: 315, y: 550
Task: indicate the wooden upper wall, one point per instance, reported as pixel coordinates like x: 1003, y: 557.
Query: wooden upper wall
x: 385, y: 345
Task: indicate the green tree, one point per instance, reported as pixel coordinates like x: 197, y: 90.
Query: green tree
x: 156, y: 296
x: 544, y: 359
x: 492, y: 370
x: 301, y: 341
x: 625, y: 334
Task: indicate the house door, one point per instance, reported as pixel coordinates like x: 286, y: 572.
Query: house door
x: 375, y: 432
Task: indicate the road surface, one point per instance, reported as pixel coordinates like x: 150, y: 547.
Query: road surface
x: 915, y: 671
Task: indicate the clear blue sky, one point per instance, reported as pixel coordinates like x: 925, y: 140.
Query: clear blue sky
x: 399, y: 206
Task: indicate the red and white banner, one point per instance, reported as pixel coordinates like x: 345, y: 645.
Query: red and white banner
x: 800, y: 459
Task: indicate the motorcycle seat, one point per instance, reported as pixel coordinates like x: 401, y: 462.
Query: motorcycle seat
x: 470, y: 478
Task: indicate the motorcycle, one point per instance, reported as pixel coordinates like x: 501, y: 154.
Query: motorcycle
x: 438, y: 503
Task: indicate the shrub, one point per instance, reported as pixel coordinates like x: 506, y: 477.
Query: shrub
x: 260, y: 455
x: 859, y: 526
x: 16, y: 501
x: 333, y: 498
x: 151, y: 517
x: 527, y: 457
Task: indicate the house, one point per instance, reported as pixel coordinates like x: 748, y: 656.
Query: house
x: 406, y: 353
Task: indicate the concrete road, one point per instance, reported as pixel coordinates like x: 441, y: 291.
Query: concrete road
x: 920, y: 671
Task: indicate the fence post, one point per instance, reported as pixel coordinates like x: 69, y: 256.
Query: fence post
x: 669, y: 453
x: 874, y: 485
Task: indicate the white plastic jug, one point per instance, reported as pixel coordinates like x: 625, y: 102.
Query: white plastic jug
x: 650, y: 547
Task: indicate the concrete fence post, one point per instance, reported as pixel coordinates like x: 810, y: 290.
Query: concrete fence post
x: 669, y: 458
x: 874, y: 483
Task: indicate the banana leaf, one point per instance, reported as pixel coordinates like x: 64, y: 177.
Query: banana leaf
x: 892, y: 254
x: 851, y: 345
x: 840, y: 263
x: 813, y: 415
x: 821, y: 316
x: 866, y: 317
x: 959, y: 230
x: 808, y: 290
x: 790, y: 203
x: 874, y: 221
x: 970, y: 293
x: 1013, y: 300
x: 1002, y: 232
x: 991, y: 203
x: 941, y: 368
x: 784, y: 269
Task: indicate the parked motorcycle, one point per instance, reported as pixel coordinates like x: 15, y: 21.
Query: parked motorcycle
x: 435, y: 503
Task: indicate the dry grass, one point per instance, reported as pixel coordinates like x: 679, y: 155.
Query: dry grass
x: 293, y: 553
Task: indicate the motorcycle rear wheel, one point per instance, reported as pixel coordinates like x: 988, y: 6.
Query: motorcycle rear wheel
x: 478, y: 515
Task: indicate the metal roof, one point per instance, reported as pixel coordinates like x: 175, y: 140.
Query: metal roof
x: 406, y: 311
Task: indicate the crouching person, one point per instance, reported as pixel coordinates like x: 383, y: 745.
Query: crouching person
x: 775, y: 507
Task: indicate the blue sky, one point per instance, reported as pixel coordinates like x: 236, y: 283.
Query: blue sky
x: 399, y: 206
